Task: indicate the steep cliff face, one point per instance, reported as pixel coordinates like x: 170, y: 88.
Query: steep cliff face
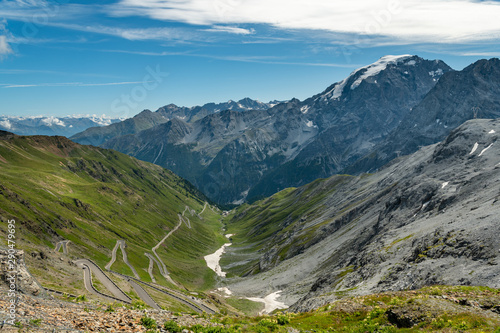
x: 428, y: 218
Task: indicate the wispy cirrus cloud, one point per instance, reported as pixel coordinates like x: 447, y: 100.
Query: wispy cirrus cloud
x: 70, y: 84
x: 271, y: 60
x: 434, y: 21
x: 231, y: 30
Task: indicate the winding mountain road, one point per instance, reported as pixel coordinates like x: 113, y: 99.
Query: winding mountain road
x: 192, y: 302
x: 122, y: 245
x: 89, y: 266
x: 144, y: 295
x: 64, y: 245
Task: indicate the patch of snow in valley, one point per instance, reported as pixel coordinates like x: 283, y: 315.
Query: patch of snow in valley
x: 225, y: 290
x: 229, y: 235
x: 492, y: 132
x: 270, y: 302
x: 304, y: 109
x: 214, y: 258
x: 411, y: 63
x: 474, y: 148
x: 445, y: 184
x: 485, y: 149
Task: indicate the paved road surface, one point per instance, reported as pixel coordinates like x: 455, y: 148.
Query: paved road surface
x: 121, y: 244
x: 64, y: 245
x: 105, y: 280
x: 87, y: 280
x: 144, y: 295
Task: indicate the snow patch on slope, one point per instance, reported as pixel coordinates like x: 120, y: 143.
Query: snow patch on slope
x: 485, y: 149
x: 435, y: 73
x: 309, y: 123
x: 476, y: 145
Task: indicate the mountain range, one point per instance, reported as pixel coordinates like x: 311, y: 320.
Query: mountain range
x: 236, y: 157
x: 42, y: 125
x: 147, y: 119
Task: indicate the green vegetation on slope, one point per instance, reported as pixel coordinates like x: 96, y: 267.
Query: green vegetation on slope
x: 56, y: 189
x: 271, y: 222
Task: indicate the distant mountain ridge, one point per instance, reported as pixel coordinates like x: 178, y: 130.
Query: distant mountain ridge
x: 147, y: 119
x: 234, y: 157
x: 63, y: 126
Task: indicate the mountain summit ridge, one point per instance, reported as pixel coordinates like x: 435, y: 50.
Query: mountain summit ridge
x: 239, y: 157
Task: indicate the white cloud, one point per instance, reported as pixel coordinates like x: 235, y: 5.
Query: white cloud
x: 481, y: 54
x: 69, y: 84
x: 442, y: 21
x: 231, y: 30
x: 5, y: 48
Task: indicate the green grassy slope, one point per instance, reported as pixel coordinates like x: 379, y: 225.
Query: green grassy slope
x: 274, y: 220
x: 56, y: 189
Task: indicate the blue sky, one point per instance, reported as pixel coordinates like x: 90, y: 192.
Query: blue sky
x: 119, y: 57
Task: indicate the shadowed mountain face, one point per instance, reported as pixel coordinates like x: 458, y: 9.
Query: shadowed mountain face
x: 428, y: 218
x: 240, y: 156
x: 459, y: 96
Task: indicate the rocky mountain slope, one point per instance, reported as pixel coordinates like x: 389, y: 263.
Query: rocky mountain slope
x: 235, y: 157
x: 86, y: 199
x: 146, y: 119
x: 64, y: 126
x: 428, y: 218
x: 459, y: 96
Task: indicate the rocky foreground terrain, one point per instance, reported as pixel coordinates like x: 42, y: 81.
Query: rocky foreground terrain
x: 436, y: 308
x: 51, y: 314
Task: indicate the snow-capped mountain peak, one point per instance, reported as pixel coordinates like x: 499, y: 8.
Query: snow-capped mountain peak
x: 377, y: 67
x: 354, y: 80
